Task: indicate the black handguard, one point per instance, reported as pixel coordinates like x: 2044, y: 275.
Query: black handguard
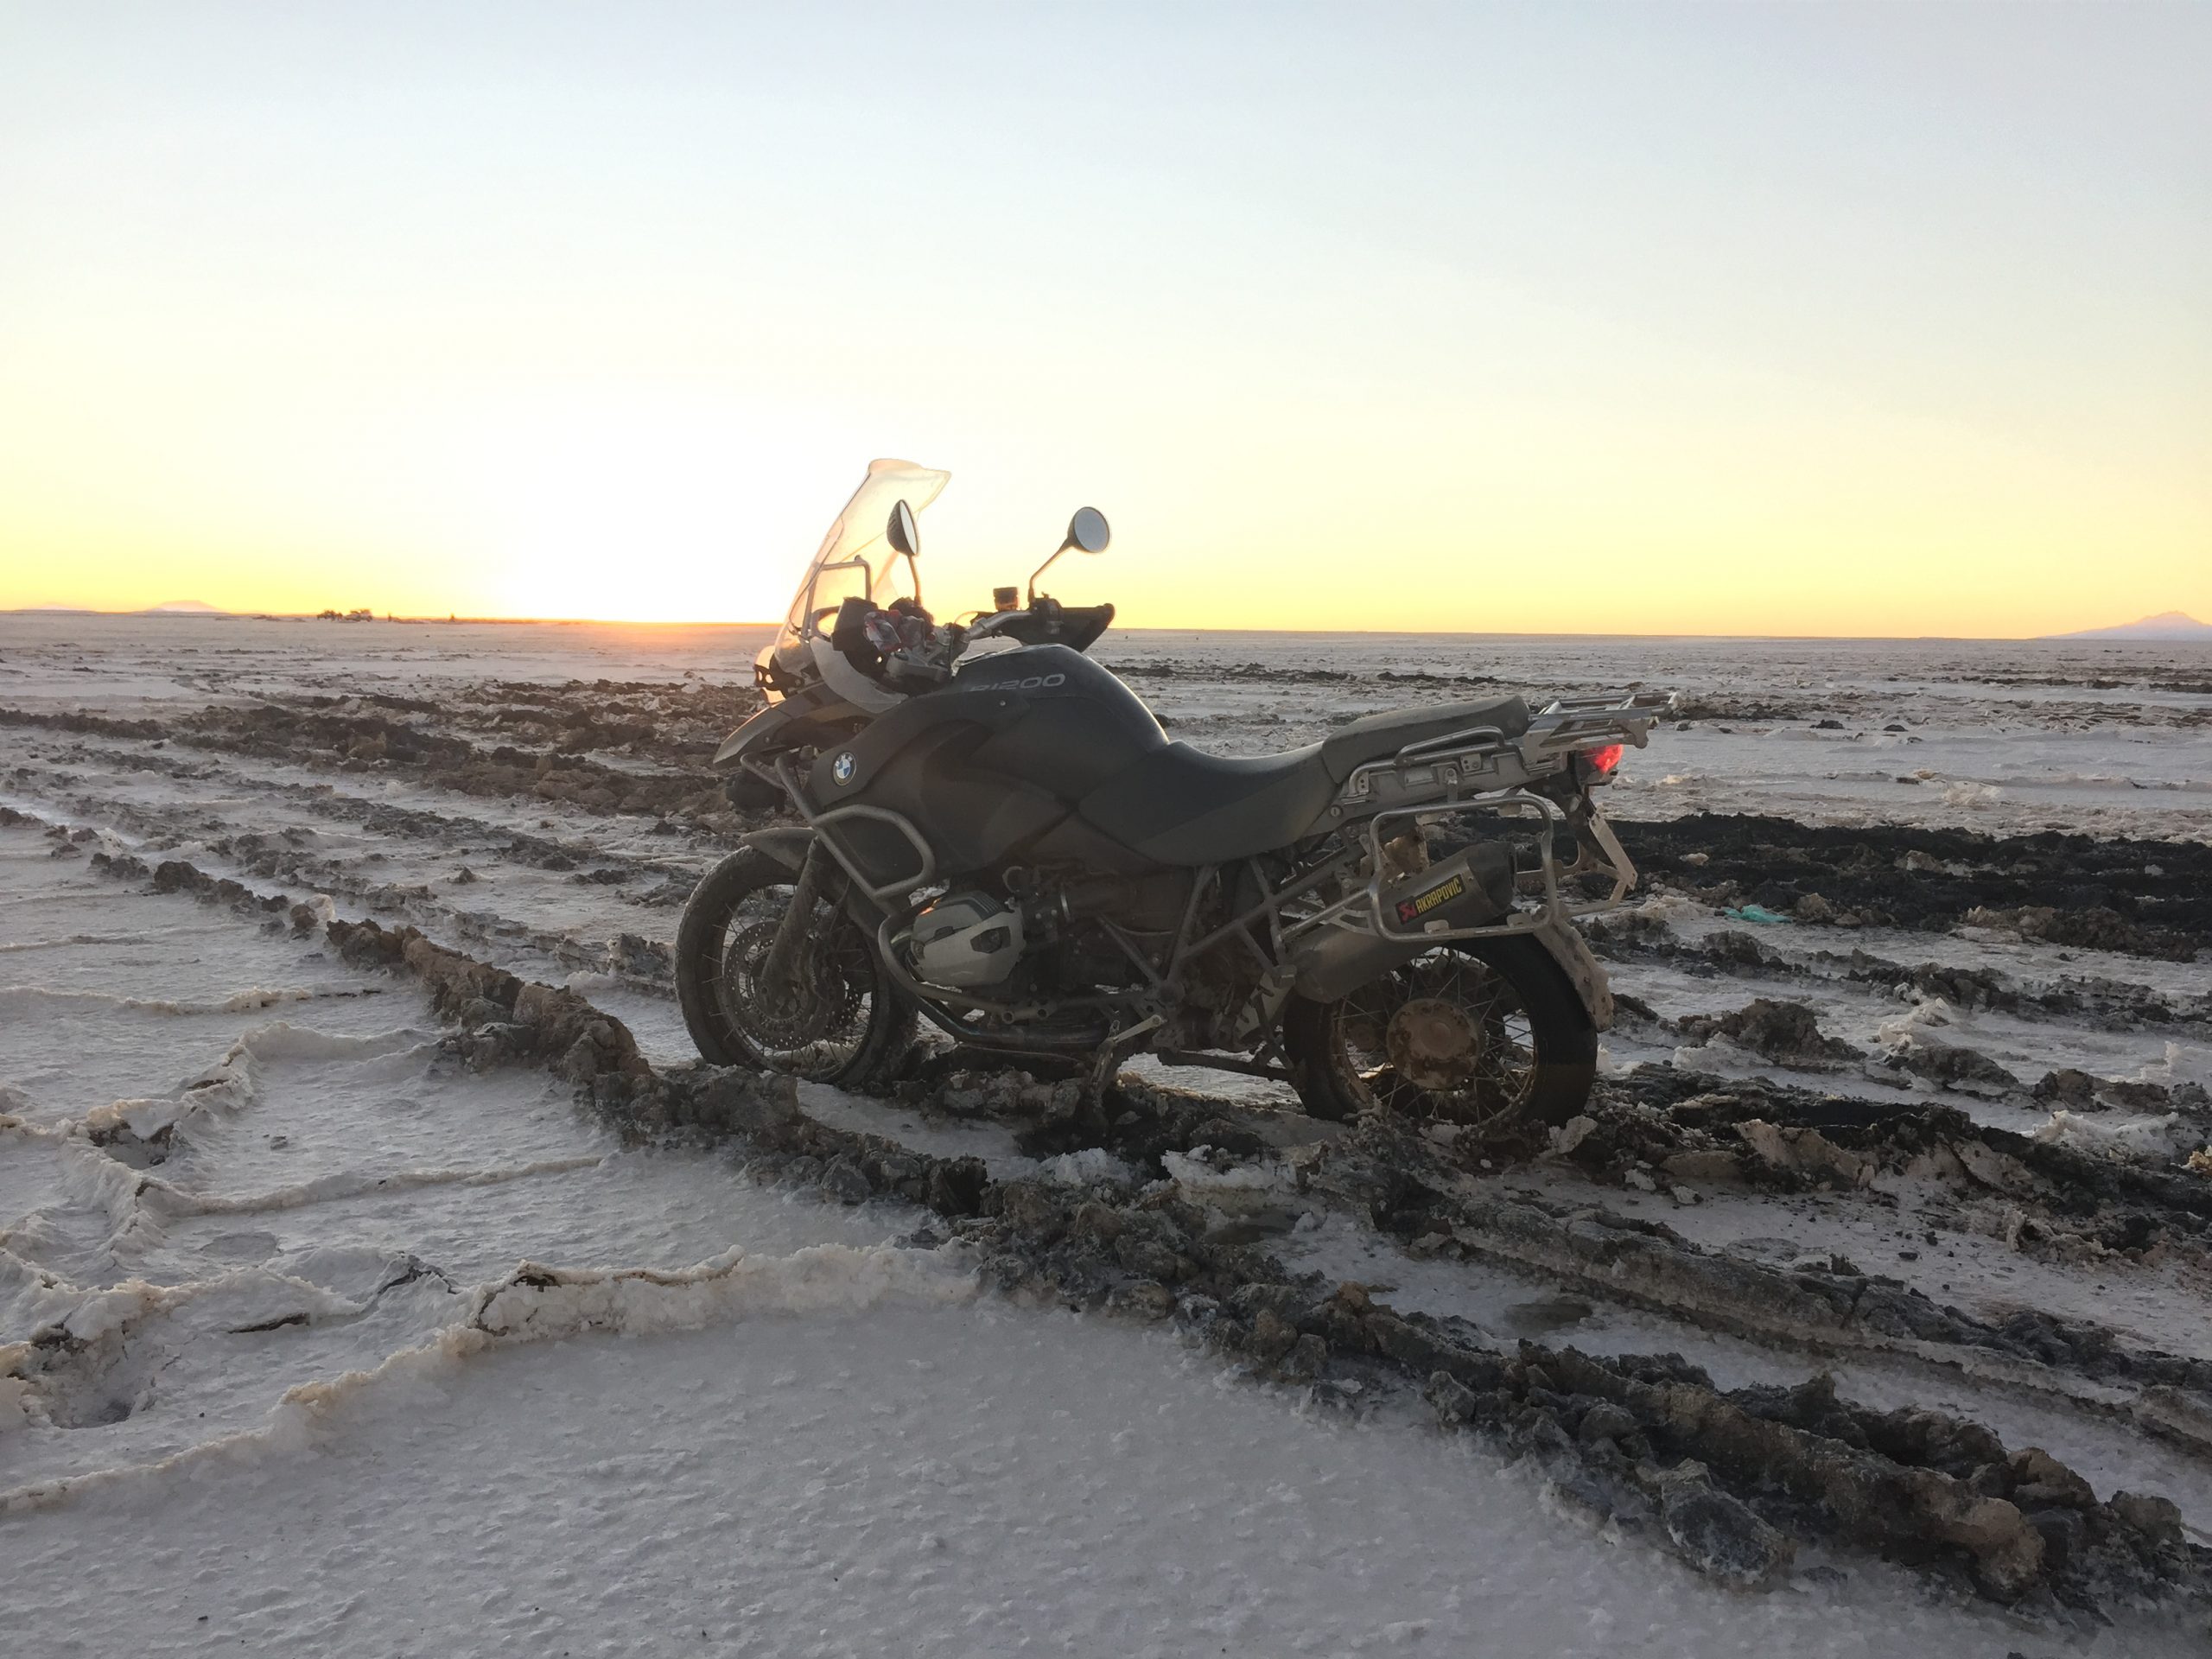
x: 1048, y: 622
x: 848, y: 637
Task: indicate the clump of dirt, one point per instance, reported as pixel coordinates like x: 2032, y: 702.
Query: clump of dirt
x: 1963, y: 987
x: 1631, y: 934
x: 2070, y: 1087
x: 1953, y: 1065
x: 1137, y: 1120
x: 1695, y: 706
x: 1813, y: 908
x: 174, y: 875
x: 2097, y: 928
x: 1785, y: 1033
x: 1623, y: 930
x: 505, y: 1019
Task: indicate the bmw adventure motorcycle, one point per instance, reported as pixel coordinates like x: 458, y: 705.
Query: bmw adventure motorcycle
x: 995, y: 835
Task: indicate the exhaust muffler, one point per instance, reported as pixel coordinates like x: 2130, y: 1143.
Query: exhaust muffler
x: 1471, y: 888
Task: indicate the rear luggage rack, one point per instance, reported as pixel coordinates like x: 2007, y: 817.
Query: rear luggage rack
x: 1568, y: 723
x: 1482, y: 769
x: 1484, y: 759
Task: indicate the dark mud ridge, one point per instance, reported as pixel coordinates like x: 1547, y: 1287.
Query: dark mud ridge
x: 539, y: 743
x: 1790, y: 1034
x: 289, y: 854
x: 293, y: 855
x: 1634, y: 935
x: 2142, y: 897
x: 1660, y: 1124
x: 1260, y: 672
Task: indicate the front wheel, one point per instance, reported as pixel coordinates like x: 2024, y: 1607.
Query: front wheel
x: 1486, y: 1033
x: 833, y: 1017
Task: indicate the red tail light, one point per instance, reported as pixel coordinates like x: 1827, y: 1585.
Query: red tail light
x: 1606, y: 758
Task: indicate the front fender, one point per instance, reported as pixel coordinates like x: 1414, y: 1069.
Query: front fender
x: 1571, y: 952
x: 754, y: 733
x: 785, y: 843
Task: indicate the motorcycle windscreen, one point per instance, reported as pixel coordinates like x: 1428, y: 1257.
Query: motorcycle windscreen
x: 855, y: 561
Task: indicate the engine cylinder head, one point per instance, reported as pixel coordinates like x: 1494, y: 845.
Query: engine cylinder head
x: 965, y: 940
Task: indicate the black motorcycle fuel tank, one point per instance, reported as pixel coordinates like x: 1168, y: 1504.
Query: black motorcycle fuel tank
x: 1082, y: 725
x: 989, y: 760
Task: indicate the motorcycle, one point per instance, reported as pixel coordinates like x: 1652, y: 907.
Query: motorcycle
x: 995, y: 835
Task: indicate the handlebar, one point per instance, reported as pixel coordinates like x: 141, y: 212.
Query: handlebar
x: 1047, y: 622
x: 904, y: 648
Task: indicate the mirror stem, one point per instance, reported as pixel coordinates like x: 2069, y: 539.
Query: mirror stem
x: 1043, y: 568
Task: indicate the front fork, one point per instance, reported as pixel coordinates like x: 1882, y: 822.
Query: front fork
x: 777, y: 973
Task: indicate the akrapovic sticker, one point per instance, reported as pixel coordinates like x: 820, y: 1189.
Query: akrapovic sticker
x: 1413, y: 909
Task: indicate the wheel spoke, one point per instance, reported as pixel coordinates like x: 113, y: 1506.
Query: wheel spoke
x: 815, y: 1023
x: 1460, y: 1026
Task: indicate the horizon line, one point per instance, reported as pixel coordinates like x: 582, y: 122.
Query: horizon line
x: 2091, y: 636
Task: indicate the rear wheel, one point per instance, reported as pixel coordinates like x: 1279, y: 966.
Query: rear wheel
x: 1487, y: 1033
x: 835, y: 1017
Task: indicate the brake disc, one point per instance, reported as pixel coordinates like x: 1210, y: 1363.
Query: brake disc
x: 821, y: 998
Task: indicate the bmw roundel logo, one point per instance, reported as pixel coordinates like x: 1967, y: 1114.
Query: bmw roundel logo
x: 842, y: 767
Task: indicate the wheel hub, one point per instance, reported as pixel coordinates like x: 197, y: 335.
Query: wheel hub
x: 1433, y: 1045
x: 807, y: 1008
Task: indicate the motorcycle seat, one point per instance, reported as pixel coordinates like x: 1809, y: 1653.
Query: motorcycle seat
x: 1377, y: 737
x: 1180, y: 805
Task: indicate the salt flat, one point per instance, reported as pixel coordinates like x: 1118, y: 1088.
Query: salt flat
x: 248, y: 1194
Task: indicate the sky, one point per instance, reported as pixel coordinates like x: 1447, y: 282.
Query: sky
x: 1851, y: 320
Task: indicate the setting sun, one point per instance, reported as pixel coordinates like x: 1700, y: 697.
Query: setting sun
x: 1668, y: 339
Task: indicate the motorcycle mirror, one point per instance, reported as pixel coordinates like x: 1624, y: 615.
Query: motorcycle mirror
x: 905, y: 538
x: 1088, y: 531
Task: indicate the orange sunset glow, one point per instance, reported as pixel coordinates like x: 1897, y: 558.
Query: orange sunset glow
x: 1849, y: 320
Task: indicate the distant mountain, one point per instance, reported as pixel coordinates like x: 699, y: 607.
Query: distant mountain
x: 184, y: 607
x: 2167, y: 624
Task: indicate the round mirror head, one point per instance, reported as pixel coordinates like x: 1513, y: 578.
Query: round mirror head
x: 1087, y: 530
x: 901, y: 533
